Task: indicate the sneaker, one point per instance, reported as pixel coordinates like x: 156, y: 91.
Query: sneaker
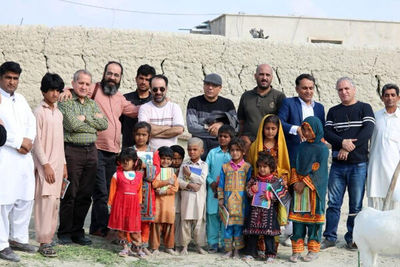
x: 8, y: 254
x: 327, y: 244
x: 310, y: 256
x: 351, y: 246
x: 22, y: 247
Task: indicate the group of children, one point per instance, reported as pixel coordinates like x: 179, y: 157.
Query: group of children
x: 231, y: 201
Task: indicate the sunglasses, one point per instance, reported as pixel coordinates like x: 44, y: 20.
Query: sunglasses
x: 155, y: 89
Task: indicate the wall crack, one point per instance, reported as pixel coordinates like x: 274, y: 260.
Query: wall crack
x: 162, y: 65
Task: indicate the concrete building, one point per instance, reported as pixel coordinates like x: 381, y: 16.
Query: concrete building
x: 302, y: 30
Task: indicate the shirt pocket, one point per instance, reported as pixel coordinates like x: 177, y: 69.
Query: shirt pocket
x: 394, y: 136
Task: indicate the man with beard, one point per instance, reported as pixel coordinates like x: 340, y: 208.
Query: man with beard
x: 139, y: 97
x: 257, y: 103
x: 165, y: 117
x: 112, y: 104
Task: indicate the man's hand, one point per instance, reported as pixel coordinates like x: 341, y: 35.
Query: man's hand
x: 22, y: 151
x: 213, y: 128
x: 65, y: 172
x: 343, y: 154
x: 26, y: 144
x: 221, y: 202
x: 49, y: 174
x: 214, y: 186
x: 98, y: 115
x: 300, y: 134
x: 186, y: 171
x: 65, y: 95
x: 348, y: 145
x: 81, y: 117
x: 299, y: 187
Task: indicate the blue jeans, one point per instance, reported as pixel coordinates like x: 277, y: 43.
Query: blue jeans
x: 341, y: 175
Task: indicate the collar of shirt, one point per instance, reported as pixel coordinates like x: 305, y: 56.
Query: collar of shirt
x: 236, y: 166
x: 8, y: 95
x: 44, y: 104
x: 76, y: 98
x: 396, y: 113
x: 305, y: 104
x: 199, y: 162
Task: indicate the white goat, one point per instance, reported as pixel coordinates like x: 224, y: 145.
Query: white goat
x: 377, y: 232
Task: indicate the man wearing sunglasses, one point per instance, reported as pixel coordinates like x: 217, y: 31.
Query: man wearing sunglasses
x: 165, y: 117
x: 348, y: 128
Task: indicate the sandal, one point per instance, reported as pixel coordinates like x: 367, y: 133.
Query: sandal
x: 125, y: 252
x: 295, y: 257
x: 310, y: 256
x: 47, y: 250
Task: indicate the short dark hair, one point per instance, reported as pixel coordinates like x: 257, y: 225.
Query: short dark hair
x: 10, y: 66
x: 304, y: 76
x: 165, y: 151
x: 160, y: 76
x: 178, y: 149
x: 145, y: 70
x: 390, y: 86
x: 237, y: 142
x: 51, y: 81
x: 113, y: 62
x: 227, y: 129
x: 266, y: 159
x: 129, y: 154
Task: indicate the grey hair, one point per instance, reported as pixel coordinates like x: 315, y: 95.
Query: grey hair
x: 79, y: 72
x: 345, y: 79
x: 195, y: 141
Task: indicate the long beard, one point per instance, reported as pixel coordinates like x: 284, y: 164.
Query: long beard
x: 109, y: 89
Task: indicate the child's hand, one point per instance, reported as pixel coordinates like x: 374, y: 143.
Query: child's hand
x: 221, y: 202
x: 254, y: 188
x: 214, y: 186
x: 194, y: 187
x: 299, y: 187
x: 171, y: 180
x: 186, y: 171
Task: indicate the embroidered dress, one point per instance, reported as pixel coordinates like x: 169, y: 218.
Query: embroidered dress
x: 312, y: 169
x: 263, y: 221
x: 125, y: 198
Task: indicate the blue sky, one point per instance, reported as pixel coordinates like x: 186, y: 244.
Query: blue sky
x: 61, y: 13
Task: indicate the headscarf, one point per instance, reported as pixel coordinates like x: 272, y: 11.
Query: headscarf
x: 312, y: 158
x: 283, y: 165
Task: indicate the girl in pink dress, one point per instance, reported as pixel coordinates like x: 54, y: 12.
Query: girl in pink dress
x: 125, y: 199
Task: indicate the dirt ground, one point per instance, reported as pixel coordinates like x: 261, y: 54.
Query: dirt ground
x: 102, y: 253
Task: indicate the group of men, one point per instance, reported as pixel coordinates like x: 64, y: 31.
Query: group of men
x: 95, y: 115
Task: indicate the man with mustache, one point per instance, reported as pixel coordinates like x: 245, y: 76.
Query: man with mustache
x: 257, y: 103
x: 112, y: 104
x: 140, y: 96
x: 165, y: 117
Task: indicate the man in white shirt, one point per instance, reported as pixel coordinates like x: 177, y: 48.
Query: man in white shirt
x: 16, y: 165
x: 385, y: 150
x: 165, y: 117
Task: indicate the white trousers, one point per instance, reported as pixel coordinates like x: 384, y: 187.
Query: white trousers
x: 377, y: 203
x: 14, y: 223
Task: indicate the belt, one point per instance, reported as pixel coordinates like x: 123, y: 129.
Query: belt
x: 79, y: 145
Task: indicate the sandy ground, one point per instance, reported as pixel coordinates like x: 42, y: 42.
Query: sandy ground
x: 103, y: 254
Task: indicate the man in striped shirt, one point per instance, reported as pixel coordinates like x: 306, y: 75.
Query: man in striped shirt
x: 348, y: 128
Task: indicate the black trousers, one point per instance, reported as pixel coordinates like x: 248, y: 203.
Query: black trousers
x: 269, y: 241
x: 81, y: 166
x: 106, y: 167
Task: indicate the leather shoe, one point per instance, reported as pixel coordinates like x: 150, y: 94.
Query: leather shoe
x: 8, y: 254
x: 22, y: 247
x: 64, y: 240
x: 81, y: 240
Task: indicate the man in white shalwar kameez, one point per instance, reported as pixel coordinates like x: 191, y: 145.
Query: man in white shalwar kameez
x: 385, y: 150
x: 17, y: 178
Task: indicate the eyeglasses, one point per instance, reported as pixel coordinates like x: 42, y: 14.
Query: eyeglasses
x: 155, y: 89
